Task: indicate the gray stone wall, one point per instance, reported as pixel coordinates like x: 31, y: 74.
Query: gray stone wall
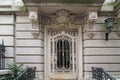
x: 22, y: 48
x: 101, y: 53
x: 29, y: 50
x: 7, y: 30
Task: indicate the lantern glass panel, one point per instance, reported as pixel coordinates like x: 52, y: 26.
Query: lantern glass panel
x: 109, y: 22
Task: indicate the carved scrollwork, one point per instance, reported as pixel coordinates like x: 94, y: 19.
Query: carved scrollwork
x: 35, y: 29
x: 35, y: 20
x: 35, y: 34
x: 63, y: 19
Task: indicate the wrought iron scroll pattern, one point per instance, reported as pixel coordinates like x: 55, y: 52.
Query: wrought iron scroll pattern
x: 99, y: 73
x: 58, y: 43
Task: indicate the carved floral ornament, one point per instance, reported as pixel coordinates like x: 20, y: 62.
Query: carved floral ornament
x: 34, y: 19
x: 63, y: 19
x: 90, y: 20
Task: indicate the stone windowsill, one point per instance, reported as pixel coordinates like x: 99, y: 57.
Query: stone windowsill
x: 4, y: 72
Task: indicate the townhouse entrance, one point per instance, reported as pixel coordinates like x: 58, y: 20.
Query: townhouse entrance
x: 62, y: 43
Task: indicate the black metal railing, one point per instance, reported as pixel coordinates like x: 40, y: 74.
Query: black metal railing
x: 99, y: 73
x: 27, y: 74
x: 116, y: 0
x: 2, y: 56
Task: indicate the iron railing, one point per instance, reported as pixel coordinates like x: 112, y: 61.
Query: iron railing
x: 28, y: 74
x: 116, y: 0
x: 2, y: 56
x: 99, y: 73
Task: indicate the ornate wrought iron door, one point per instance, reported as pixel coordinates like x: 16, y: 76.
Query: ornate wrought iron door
x: 63, y: 52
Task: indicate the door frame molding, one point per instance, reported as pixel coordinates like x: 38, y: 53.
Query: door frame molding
x: 80, y: 54
x: 79, y: 49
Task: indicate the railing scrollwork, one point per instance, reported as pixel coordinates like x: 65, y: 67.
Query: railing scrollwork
x: 28, y: 74
x: 99, y: 73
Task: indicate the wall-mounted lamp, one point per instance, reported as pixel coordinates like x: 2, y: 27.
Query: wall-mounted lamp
x: 109, y: 25
x: 34, y: 18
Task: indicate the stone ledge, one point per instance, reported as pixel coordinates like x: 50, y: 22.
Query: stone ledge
x: 4, y: 73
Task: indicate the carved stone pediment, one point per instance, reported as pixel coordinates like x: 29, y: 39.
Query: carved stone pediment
x: 63, y: 19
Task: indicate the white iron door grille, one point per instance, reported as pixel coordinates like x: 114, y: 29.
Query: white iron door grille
x: 63, y: 53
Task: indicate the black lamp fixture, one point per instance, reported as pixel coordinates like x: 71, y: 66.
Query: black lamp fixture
x: 109, y: 25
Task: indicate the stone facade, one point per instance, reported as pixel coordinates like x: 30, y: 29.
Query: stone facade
x: 92, y: 50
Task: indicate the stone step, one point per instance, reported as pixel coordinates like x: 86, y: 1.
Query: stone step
x: 38, y: 79
x: 81, y: 79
